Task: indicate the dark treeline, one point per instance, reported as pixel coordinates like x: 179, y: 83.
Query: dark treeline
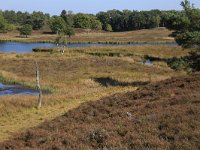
x: 112, y: 20
x: 134, y: 20
x: 36, y: 19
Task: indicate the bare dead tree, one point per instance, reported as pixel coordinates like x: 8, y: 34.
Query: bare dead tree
x: 38, y: 85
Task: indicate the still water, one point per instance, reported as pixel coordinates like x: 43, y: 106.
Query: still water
x: 27, y: 47
x: 16, y: 89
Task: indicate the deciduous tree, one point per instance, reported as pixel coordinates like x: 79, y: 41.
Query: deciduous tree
x: 25, y: 30
x: 69, y: 31
x: 57, y: 24
x: 82, y: 21
x: 2, y: 23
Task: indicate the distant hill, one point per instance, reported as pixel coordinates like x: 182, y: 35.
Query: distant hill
x: 164, y: 115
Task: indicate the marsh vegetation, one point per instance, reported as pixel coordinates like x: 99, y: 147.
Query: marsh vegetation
x: 110, y: 97
x: 74, y: 78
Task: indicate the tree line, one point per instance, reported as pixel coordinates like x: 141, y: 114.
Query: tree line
x: 112, y: 20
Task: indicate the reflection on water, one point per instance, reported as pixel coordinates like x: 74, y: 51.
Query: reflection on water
x: 16, y: 89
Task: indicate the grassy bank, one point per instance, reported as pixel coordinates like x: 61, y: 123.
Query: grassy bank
x: 162, y: 52
x: 158, y: 35
x: 75, y: 77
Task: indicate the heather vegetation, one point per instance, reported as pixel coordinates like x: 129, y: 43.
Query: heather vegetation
x: 163, y: 115
x: 111, y: 97
x: 78, y: 76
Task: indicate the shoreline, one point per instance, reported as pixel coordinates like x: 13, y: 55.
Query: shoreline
x: 89, y: 42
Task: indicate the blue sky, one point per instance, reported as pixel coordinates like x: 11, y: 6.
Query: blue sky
x: 54, y: 7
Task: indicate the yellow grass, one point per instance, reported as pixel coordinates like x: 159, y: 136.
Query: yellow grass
x: 158, y: 35
x: 71, y: 79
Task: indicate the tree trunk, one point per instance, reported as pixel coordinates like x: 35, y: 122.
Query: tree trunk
x: 38, y: 85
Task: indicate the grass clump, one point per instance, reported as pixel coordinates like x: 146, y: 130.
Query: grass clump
x: 43, y: 49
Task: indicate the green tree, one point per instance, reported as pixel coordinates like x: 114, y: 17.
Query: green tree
x: 108, y: 28
x: 115, y: 19
x: 10, y: 16
x: 82, y: 21
x: 10, y: 27
x: 154, y: 21
x: 137, y: 20
x: 187, y: 34
x: 166, y: 15
x: 3, y: 24
x: 25, y: 30
x: 29, y: 20
x: 96, y: 24
x: 57, y: 24
x: 187, y: 26
x: 38, y: 20
x: 69, y: 31
x: 68, y: 16
x: 125, y: 20
x: 104, y: 18
x: 64, y: 15
x: 21, y: 18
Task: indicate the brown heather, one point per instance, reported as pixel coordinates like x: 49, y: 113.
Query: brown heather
x: 163, y: 115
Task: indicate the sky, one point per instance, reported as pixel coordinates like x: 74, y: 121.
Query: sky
x: 54, y: 7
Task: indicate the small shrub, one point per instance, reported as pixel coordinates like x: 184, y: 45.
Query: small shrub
x: 42, y: 50
x: 189, y: 63
x: 178, y: 63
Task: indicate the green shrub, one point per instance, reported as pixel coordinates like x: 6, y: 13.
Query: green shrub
x: 178, y: 63
x: 189, y: 63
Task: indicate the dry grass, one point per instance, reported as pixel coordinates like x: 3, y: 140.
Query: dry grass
x: 163, y: 115
x: 162, y: 52
x: 158, y: 35
x: 71, y: 79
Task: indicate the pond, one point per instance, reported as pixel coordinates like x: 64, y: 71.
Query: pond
x: 16, y: 90
x: 27, y: 47
x: 146, y: 62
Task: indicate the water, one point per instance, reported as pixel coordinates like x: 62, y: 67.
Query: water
x: 27, y: 47
x: 16, y: 90
x: 146, y: 62
x: 21, y: 47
